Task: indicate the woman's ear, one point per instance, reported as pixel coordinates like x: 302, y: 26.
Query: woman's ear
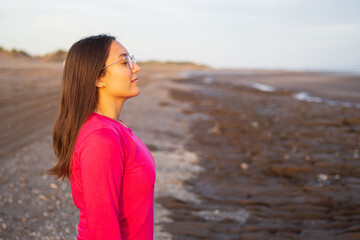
x: 100, y: 83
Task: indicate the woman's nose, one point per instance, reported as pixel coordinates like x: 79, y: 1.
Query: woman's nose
x: 136, y: 68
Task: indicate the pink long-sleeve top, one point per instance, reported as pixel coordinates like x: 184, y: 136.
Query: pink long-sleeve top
x: 112, y: 182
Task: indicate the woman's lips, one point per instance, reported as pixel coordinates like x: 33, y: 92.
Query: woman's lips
x: 135, y: 80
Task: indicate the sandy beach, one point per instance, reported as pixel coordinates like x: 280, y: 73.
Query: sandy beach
x: 232, y: 161
x: 34, y: 205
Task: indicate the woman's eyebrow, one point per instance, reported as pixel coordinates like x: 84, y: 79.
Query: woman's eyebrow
x: 123, y: 55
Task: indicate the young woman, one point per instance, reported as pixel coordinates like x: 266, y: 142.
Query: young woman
x: 111, y: 172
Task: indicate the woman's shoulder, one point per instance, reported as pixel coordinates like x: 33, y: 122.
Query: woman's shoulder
x: 98, y: 128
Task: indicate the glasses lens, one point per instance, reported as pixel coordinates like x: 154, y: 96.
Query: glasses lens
x: 131, y: 60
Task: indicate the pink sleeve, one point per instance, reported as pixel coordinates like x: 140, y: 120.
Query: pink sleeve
x: 101, y: 163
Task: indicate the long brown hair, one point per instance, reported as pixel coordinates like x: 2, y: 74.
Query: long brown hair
x: 79, y: 96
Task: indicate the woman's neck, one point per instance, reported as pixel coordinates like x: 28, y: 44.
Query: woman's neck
x: 114, y: 116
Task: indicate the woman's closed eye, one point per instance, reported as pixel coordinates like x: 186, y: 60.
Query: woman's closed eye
x: 124, y: 61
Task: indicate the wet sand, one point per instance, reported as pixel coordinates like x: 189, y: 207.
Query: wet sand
x: 232, y: 162
x: 273, y: 167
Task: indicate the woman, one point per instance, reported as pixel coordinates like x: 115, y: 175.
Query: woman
x: 111, y: 172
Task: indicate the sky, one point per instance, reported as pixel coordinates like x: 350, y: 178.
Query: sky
x: 272, y: 34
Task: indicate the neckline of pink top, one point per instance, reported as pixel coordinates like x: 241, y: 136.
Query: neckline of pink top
x: 118, y: 122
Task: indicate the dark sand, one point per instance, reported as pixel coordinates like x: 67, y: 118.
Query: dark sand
x: 292, y: 165
x: 232, y: 162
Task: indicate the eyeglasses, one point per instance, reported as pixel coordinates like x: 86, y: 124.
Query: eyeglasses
x: 130, y: 61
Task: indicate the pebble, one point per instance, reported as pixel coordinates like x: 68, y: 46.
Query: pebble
x: 244, y: 166
x: 255, y: 124
x: 215, y: 129
x: 42, y: 197
x: 286, y: 156
x: 356, y: 153
x: 322, y: 177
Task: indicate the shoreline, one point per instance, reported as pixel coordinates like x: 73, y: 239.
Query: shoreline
x: 317, y: 84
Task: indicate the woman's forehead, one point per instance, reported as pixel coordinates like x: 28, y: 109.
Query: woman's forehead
x: 117, y: 50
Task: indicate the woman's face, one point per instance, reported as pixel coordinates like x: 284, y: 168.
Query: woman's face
x: 119, y: 78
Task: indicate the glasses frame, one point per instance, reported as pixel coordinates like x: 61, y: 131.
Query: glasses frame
x: 130, y: 61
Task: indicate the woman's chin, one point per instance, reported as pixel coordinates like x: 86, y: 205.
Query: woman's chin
x: 137, y: 92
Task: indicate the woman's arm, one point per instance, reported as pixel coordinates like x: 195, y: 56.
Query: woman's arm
x: 101, y: 163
